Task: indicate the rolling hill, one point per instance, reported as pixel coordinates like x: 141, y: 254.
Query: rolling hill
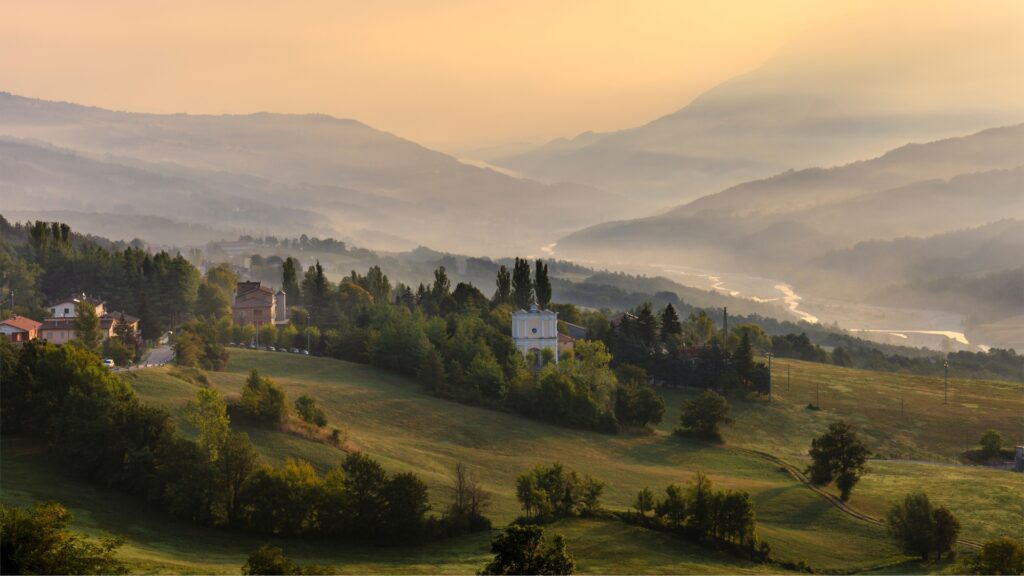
x: 279, y: 172
x: 843, y: 91
x: 393, y: 421
x: 782, y: 225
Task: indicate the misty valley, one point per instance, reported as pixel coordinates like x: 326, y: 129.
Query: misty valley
x: 334, y: 289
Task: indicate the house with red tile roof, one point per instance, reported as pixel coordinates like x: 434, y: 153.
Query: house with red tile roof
x: 20, y: 329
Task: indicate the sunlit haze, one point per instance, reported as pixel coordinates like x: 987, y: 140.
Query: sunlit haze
x: 453, y: 75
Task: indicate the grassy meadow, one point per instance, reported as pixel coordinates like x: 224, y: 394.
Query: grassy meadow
x: 392, y: 420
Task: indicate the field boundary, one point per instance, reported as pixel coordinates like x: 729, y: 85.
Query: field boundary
x: 799, y: 476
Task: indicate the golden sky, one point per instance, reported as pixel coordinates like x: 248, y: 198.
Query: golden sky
x: 450, y: 74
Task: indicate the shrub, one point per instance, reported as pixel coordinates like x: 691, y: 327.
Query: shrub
x: 703, y: 415
x: 38, y: 542
x: 521, y: 550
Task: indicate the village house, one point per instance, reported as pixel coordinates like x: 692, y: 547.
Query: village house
x: 20, y: 329
x: 59, y: 328
x: 257, y: 305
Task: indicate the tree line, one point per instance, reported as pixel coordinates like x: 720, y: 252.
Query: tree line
x: 102, y: 432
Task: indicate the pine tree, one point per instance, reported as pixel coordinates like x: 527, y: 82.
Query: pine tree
x: 670, y: 325
x: 87, y: 325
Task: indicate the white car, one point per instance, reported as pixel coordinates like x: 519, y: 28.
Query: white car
x: 108, y: 362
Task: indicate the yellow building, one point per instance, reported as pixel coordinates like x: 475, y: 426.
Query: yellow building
x: 535, y: 330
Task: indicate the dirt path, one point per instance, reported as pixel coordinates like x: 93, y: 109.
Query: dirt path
x: 799, y: 476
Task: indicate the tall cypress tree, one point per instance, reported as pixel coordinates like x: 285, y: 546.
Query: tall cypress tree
x: 290, y: 280
x: 542, y: 284
x: 503, y: 295
x: 522, y: 287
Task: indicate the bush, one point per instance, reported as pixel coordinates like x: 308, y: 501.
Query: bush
x: 703, y: 415
x: 268, y: 560
x: 991, y: 442
x: 1000, y: 556
x: 38, y: 542
x: 263, y: 401
x: 521, y: 550
x: 920, y: 529
x: 309, y: 412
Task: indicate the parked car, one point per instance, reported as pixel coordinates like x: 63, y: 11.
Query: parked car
x: 305, y: 352
x: 109, y: 362
x: 252, y: 346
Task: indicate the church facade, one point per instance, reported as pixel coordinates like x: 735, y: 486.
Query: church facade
x: 535, y: 330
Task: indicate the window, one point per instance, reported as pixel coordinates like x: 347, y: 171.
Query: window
x: 65, y: 311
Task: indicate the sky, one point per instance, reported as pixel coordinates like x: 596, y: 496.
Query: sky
x: 450, y: 74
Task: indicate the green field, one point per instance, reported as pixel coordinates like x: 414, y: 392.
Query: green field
x: 392, y: 420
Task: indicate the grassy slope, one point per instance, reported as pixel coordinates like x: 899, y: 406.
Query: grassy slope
x: 393, y: 421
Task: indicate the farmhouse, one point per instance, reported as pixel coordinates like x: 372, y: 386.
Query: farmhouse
x: 20, y: 329
x: 535, y: 330
x: 257, y: 305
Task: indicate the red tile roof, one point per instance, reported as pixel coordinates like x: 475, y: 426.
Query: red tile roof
x: 22, y: 323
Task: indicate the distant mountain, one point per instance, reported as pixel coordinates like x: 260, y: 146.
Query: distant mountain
x: 337, y: 174
x: 778, y: 224
x: 849, y: 91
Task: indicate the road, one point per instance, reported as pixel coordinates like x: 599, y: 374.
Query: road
x: 163, y: 354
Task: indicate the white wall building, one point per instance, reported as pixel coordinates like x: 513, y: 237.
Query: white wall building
x: 534, y: 330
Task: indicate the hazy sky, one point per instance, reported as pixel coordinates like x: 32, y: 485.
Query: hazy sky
x: 448, y: 74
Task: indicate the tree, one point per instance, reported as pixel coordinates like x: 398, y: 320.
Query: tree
x: 503, y: 295
x: 209, y: 414
x: 838, y: 454
x: 263, y: 400
x: 522, y: 287
x: 644, y: 502
x: 223, y: 277
x: 910, y: 524
x: 237, y: 463
x: 743, y: 358
x: 646, y: 326
x: 469, y: 499
x: 704, y: 415
x: 671, y: 328
x: 521, y: 550
x: 87, y: 325
x: 290, y: 279
x: 542, y: 284
x: 991, y: 442
x: 442, y: 286
x: 37, y: 541
x: 307, y: 409
x: 406, y: 504
x: 268, y: 334
x: 947, y: 528
x: 1000, y: 556
x: 212, y: 301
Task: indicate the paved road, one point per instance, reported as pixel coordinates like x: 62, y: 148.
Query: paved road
x: 159, y: 355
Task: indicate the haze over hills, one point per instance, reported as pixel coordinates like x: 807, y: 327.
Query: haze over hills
x: 842, y: 93
x: 281, y: 173
x: 843, y: 232
x: 795, y: 216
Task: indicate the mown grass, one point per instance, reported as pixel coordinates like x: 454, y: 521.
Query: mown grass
x: 391, y: 419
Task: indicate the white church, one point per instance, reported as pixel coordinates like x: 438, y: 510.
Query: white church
x: 535, y: 330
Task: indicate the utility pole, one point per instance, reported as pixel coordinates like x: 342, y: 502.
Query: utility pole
x: 787, y: 376
x: 725, y: 323
x: 769, y: 377
x: 945, y: 387
x: 817, y: 395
